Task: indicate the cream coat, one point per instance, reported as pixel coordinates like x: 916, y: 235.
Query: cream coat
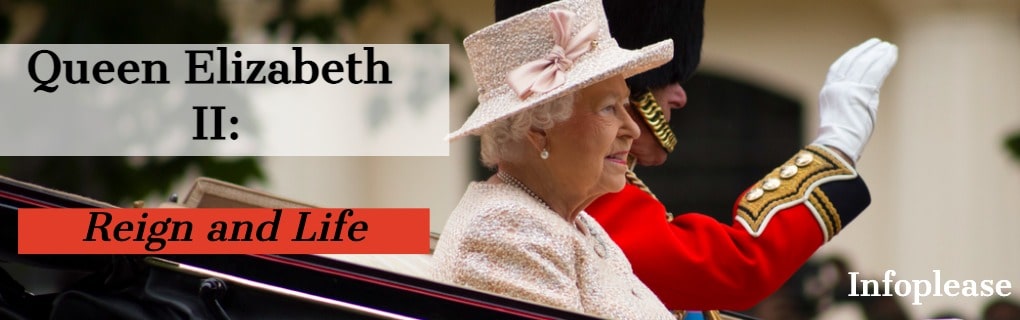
x: 500, y: 239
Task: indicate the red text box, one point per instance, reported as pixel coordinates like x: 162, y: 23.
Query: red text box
x: 223, y: 231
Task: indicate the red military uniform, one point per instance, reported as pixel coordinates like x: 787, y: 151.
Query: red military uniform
x: 696, y: 263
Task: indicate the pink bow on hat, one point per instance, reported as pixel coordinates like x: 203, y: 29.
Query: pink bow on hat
x: 547, y: 73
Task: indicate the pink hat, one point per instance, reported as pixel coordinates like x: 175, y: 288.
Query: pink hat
x: 546, y: 53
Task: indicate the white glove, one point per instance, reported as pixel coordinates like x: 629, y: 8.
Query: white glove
x: 848, y: 102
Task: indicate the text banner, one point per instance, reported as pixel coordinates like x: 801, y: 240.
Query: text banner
x: 223, y: 231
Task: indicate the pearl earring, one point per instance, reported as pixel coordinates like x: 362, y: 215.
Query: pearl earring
x: 544, y: 154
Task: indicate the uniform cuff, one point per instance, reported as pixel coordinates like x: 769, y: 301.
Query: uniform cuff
x: 816, y: 177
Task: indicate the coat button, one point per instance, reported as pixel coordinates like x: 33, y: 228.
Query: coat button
x: 804, y: 159
x: 754, y: 194
x: 788, y: 172
x: 770, y: 184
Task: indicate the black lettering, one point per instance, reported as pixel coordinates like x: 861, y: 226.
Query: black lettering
x: 122, y: 227
x: 237, y: 68
x: 341, y: 220
x: 330, y: 67
x: 223, y: 64
x: 278, y: 72
x: 371, y: 68
x: 83, y: 77
x: 255, y: 68
x: 102, y: 228
x: 193, y: 66
x: 237, y: 229
x: 124, y: 68
x: 157, y: 229
x: 325, y: 227
x: 148, y: 71
x: 352, y: 62
x: 101, y: 67
x: 272, y: 225
x: 141, y: 227
x: 218, y: 231
x: 177, y: 229
x: 357, y: 227
x: 301, y: 228
x: 301, y: 64
x: 44, y: 84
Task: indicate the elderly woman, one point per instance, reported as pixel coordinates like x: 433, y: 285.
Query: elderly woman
x: 553, y: 121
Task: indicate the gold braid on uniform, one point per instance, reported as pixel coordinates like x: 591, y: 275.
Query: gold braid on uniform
x: 793, y: 183
x: 634, y: 180
x: 651, y: 112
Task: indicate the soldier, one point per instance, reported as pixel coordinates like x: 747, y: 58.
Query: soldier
x: 693, y: 262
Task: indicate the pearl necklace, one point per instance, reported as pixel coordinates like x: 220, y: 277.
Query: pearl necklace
x: 600, y: 248
x: 508, y: 179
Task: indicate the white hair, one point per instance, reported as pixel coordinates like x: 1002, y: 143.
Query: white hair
x: 500, y: 140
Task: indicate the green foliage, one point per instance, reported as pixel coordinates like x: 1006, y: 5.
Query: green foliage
x: 132, y: 21
x: 5, y: 26
x: 320, y: 26
x: 1013, y: 144
x: 352, y: 9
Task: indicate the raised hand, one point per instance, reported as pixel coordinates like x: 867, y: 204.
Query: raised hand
x: 848, y: 103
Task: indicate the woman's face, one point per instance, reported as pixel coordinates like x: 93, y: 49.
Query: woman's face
x: 589, y: 149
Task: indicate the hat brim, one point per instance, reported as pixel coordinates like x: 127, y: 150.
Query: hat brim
x: 602, y: 65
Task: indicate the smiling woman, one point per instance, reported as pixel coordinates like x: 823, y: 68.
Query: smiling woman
x: 566, y: 151
x: 507, y: 231
x: 553, y: 120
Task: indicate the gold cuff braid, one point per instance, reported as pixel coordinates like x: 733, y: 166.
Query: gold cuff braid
x: 793, y: 183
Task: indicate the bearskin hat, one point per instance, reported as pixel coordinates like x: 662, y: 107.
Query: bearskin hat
x: 637, y: 23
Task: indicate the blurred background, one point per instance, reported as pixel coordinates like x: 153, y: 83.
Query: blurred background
x: 943, y: 164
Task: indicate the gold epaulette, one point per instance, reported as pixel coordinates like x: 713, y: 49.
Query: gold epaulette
x: 793, y: 183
